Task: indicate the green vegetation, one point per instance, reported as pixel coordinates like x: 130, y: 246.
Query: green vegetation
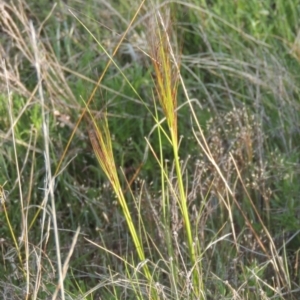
x: 149, y: 150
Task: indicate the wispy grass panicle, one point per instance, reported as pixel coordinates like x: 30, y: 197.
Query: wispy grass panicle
x: 166, y: 73
x: 101, y: 143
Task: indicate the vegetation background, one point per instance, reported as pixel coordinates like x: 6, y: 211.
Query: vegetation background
x: 149, y: 149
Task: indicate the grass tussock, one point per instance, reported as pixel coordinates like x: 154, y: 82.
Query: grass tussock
x: 184, y: 185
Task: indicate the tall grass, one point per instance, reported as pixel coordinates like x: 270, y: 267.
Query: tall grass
x: 180, y: 181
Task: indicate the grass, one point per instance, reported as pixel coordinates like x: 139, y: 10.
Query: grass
x: 149, y: 151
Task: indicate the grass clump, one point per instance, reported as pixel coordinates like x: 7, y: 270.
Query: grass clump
x: 159, y: 162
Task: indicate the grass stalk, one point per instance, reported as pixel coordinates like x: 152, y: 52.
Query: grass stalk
x: 166, y: 74
x: 49, y: 178
x: 24, y: 229
x: 102, y: 146
x: 165, y: 197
